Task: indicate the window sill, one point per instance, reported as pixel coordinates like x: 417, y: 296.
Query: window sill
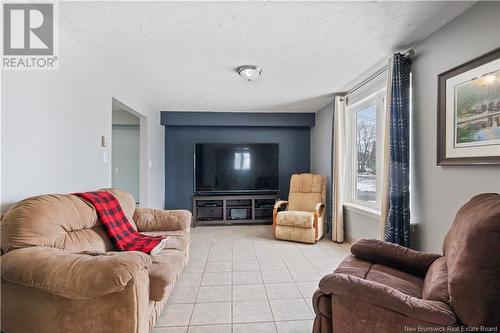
x: 363, y: 210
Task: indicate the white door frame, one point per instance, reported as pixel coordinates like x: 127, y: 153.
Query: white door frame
x: 143, y: 150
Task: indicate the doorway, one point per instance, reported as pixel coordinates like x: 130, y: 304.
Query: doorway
x: 126, y: 150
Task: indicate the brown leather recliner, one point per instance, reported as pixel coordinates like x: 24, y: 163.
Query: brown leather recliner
x: 383, y: 287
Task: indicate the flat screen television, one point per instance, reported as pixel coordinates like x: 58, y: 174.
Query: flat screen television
x: 223, y: 168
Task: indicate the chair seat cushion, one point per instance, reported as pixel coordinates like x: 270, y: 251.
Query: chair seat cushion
x: 404, y: 282
x: 399, y: 280
x: 166, y: 268
x: 178, y: 240
x: 295, y: 219
x: 168, y: 263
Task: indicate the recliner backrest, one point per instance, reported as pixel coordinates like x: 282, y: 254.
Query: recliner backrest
x: 472, y: 251
x: 306, y: 190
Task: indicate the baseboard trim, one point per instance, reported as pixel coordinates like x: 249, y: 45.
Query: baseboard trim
x: 350, y: 240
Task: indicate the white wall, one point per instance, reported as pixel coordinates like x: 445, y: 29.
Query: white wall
x: 321, y: 148
x: 125, y: 158
x: 52, y: 123
x: 440, y: 191
x: 122, y: 117
x: 356, y: 225
x: 125, y: 151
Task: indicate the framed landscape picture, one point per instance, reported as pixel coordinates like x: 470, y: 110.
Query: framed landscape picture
x: 469, y: 113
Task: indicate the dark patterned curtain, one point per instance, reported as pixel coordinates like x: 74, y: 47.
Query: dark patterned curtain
x: 398, y: 220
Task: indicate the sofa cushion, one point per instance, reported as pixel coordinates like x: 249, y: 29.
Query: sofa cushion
x: 177, y: 240
x: 127, y: 203
x: 166, y: 268
x: 60, y: 221
x: 391, y: 277
x: 72, y: 275
x: 399, y: 280
x: 295, y: 219
x: 354, y: 266
x: 148, y: 219
x: 436, y: 282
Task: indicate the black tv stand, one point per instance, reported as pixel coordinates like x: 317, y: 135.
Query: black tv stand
x: 233, y: 209
x: 234, y: 194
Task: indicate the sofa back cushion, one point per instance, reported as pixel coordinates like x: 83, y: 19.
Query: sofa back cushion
x: 436, y: 282
x: 127, y: 202
x: 306, y: 190
x: 60, y: 221
x: 472, y: 250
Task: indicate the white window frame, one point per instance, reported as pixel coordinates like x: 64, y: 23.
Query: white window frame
x: 379, y: 99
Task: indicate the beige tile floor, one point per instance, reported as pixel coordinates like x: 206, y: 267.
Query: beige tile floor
x: 239, y: 279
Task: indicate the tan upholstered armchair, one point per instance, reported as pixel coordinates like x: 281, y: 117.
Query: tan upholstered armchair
x: 303, y: 220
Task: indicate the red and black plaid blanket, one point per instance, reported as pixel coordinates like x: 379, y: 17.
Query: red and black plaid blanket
x: 117, y: 226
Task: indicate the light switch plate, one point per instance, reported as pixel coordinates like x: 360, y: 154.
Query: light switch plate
x: 104, y: 141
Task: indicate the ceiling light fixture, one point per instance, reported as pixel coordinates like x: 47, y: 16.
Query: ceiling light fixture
x: 249, y: 72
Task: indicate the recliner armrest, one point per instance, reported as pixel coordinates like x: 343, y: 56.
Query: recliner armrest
x: 277, y: 206
x: 280, y: 203
x: 383, y: 296
x: 72, y: 275
x: 393, y: 255
x: 319, y: 207
x: 148, y: 219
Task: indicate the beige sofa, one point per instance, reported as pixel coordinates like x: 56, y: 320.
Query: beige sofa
x: 61, y: 273
x: 304, y: 218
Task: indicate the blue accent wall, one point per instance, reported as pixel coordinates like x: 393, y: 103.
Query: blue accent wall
x: 237, y: 119
x: 294, y: 150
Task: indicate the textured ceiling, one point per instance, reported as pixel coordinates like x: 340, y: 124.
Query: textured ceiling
x: 183, y: 54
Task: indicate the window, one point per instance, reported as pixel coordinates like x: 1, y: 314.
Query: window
x: 242, y: 161
x: 365, y: 152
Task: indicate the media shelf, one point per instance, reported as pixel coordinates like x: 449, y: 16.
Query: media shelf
x: 233, y: 209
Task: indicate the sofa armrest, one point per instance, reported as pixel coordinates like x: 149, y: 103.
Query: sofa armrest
x: 148, y: 219
x: 393, y: 255
x: 72, y: 275
x: 385, y: 297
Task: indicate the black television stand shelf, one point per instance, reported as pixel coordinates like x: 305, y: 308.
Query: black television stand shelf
x: 233, y: 209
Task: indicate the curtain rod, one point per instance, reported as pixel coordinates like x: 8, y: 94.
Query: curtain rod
x: 408, y: 53
x: 365, y: 82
